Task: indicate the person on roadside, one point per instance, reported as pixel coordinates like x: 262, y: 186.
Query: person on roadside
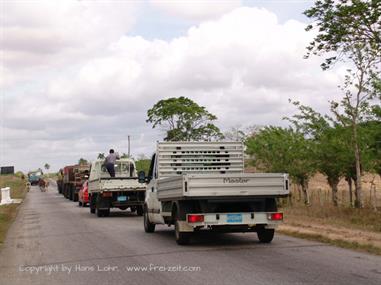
x: 110, y: 162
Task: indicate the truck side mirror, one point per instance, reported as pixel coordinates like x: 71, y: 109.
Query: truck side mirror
x: 142, y: 176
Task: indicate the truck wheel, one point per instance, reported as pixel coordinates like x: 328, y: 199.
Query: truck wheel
x: 92, y: 210
x: 139, y: 211
x: 148, y: 226
x: 182, y: 238
x: 99, y: 213
x: 79, y: 204
x: 265, y: 235
x: 106, y: 213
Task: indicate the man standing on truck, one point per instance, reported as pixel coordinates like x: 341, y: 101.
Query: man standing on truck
x: 110, y: 162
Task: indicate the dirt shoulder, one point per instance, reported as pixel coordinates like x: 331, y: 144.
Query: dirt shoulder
x: 342, y: 236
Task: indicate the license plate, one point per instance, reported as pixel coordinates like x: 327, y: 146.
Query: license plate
x: 122, y: 198
x: 234, y: 218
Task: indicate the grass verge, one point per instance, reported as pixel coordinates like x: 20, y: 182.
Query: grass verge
x: 336, y: 242
x: 9, y: 212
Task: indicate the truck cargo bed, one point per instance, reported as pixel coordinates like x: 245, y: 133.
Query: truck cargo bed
x: 223, y: 185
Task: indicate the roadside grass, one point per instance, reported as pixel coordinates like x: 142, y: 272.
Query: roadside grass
x: 9, y: 212
x: 317, y: 220
x: 368, y: 248
x: 362, y: 219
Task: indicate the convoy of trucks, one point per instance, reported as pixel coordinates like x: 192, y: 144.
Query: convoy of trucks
x: 192, y: 186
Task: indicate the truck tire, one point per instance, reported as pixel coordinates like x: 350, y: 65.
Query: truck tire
x: 103, y: 213
x: 139, y: 210
x: 182, y: 238
x: 148, y: 226
x: 99, y: 212
x: 79, y: 204
x: 265, y: 235
x: 92, y: 200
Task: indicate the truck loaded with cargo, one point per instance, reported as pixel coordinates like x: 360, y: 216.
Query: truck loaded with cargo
x: 123, y: 191
x: 73, y: 178
x: 202, y: 185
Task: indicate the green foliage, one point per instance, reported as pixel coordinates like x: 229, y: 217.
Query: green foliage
x: 183, y: 120
x: 143, y: 164
x: 349, y: 31
x: 344, y: 26
x: 101, y: 156
x: 283, y: 150
x: 46, y: 166
x: 82, y: 161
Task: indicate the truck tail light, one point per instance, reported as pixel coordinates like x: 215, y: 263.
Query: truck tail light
x: 275, y: 216
x: 107, y: 194
x: 195, y: 218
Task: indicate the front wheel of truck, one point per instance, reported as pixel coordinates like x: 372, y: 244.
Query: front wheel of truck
x: 265, y: 235
x: 148, y: 226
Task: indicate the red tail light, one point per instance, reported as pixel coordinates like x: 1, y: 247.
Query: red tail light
x: 195, y: 218
x: 107, y: 194
x: 275, y: 216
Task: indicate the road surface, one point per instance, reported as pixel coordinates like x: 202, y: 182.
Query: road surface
x: 53, y: 241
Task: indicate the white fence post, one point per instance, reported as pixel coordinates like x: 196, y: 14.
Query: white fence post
x: 6, y: 196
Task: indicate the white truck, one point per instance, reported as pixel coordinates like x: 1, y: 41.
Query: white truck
x: 125, y: 190
x: 202, y: 185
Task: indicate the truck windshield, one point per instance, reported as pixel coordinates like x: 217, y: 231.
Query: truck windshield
x: 122, y: 169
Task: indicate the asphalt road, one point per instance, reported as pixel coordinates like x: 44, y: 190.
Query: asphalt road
x: 53, y: 241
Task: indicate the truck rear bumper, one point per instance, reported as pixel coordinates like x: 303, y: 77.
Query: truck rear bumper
x: 231, y: 222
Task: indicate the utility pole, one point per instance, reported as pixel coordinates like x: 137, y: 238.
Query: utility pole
x: 128, y: 145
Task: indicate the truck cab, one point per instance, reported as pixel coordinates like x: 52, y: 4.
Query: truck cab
x: 123, y: 191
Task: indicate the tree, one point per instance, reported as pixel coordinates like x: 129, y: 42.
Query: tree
x: 331, y: 150
x: 284, y: 150
x: 349, y: 31
x: 82, y: 161
x: 183, y: 120
x: 101, y: 155
x: 46, y: 166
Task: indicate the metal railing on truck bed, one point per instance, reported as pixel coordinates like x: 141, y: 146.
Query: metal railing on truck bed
x: 177, y: 158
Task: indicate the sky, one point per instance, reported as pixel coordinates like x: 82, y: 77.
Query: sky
x: 77, y: 77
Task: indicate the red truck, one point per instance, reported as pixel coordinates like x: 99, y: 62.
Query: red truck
x: 74, y: 176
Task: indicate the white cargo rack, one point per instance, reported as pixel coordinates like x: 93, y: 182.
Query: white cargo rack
x: 177, y: 158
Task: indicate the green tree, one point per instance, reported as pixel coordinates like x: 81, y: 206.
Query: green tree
x: 183, y: 120
x: 349, y: 31
x: 47, y: 166
x: 82, y: 161
x: 277, y: 149
x: 101, y: 155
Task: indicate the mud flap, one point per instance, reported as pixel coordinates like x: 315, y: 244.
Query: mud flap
x: 184, y: 226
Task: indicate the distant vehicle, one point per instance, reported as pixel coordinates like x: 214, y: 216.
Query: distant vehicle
x: 73, y: 178
x: 202, y: 185
x: 83, y: 194
x: 123, y: 191
x: 34, y: 177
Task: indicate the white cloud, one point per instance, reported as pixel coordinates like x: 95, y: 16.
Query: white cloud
x: 243, y: 66
x: 196, y: 10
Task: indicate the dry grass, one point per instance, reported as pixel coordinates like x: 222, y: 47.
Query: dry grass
x: 8, y: 212
x: 343, y: 225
